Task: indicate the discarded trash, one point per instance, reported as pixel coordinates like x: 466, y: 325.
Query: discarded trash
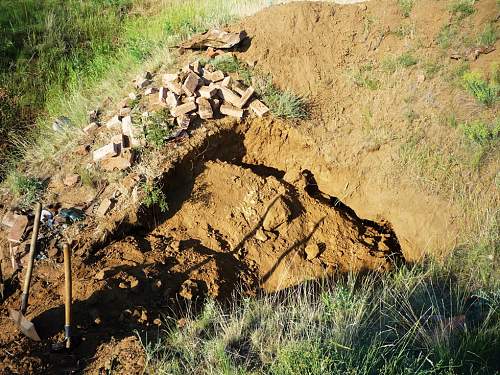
x: 47, y: 218
x: 61, y: 124
x: 214, y: 38
x: 72, y: 214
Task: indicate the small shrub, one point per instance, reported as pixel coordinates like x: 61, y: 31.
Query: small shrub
x: 480, y: 132
x: 463, y: 8
x: 158, y: 127
x: 489, y: 35
x: 486, y: 93
x: 406, y: 60
x: 406, y: 7
x: 154, y: 196
x: 27, y: 189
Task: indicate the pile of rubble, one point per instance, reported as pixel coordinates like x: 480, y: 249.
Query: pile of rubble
x: 195, y: 91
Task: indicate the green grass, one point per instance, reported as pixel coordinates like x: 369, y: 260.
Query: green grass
x: 405, y: 60
x: 406, y: 6
x: 489, y: 35
x: 447, y: 36
x: 481, y: 132
x: 463, y: 8
x: 485, y: 92
x: 27, y: 190
x: 362, y: 77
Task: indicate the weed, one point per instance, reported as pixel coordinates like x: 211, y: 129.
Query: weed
x: 489, y: 35
x: 391, y: 64
x: 158, y: 127
x: 27, y: 189
x: 406, y: 60
x: 362, y: 77
x: 154, y: 196
x: 446, y: 36
x: 230, y: 64
x: 431, y: 69
x: 284, y: 104
x: 463, y: 8
x: 406, y: 6
x: 486, y: 93
x: 480, y: 132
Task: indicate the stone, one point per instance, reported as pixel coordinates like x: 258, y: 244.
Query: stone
x: 105, y: 206
x: 150, y: 91
x: 245, y: 97
x: 91, y: 128
x: 189, y: 289
x: 191, y: 84
x: 208, y: 92
x: 183, y: 109
x: 211, y: 53
x: 103, y: 274
x: 259, y: 108
x: 172, y: 100
x: 278, y: 214
x: 196, y: 67
x: 105, y: 152
x: 312, y: 251
x: 213, y: 76
x: 133, y: 96
x: 121, y: 162
x: 175, y: 87
x: 134, y: 132
x: 170, y: 77
x: 124, y: 111
x: 229, y: 110
x: 157, y: 322
x: 133, y: 282
x: 188, y: 99
x: 71, y: 180
x: 229, y: 96
x: 204, y: 109
x: 162, y: 94
x: 183, y: 121
x: 114, y: 123
x: 261, y: 235
x: 18, y: 228
x: 227, y: 82
x: 147, y: 75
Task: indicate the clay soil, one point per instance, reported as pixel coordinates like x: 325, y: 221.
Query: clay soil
x: 255, y: 206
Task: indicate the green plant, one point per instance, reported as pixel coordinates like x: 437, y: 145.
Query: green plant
x: 486, y: 93
x: 154, y: 196
x: 432, y: 68
x: 480, y: 132
x: 489, y: 35
x: 158, y: 127
x: 463, y: 8
x: 27, y: 189
x: 446, y: 36
x: 362, y: 77
x: 406, y: 6
x: 406, y: 60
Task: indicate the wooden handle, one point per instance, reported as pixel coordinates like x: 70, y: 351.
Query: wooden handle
x: 31, y: 259
x: 68, y: 291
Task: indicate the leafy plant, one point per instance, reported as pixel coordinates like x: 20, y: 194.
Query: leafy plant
x: 27, y: 189
x: 158, y: 127
x: 406, y: 6
x: 480, y: 132
x: 154, y: 196
x: 463, y: 8
x: 486, y: 93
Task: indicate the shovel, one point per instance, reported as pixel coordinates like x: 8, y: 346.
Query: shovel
x: 22, y: 323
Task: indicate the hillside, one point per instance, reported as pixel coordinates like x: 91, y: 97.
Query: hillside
x: 347, y: 222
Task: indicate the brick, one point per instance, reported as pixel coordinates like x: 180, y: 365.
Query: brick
x: 183, y: 109
x: 17, y: 230
x: 150, y: 91
x: 214, y: 76
x: 91, y: 128
x: 125, y: 111
x: 162, y: 94
x: 134, y: 133
x: 191, y: 84
x: 229, y: 96
x: 229, y: 110
x: 183, y: 121
x: 246, y: 96
x: 238, y: 87
x: 196, y: 67
x: 227, y: 82
x: 105, y: 206
x: 175, y: 87
x: 204, y: 108
x: 9, y: 219
x: 71, y: 180
x: 114, y: 123
x: 122, y: 140
x: 208, y: 92
x: 170, y: 77
x: 259, y: 108
x: 105, y: 152
x: 188, y: 99
x: 172, y: 100
x: 120, y: 162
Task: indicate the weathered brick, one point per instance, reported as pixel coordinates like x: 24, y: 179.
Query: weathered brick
x: 172, y: 100
x: 105, y: 152
x: 191, y: 84
x: 204, y: 108
x: 229, y: 110
x: 17, y: 230
x: 183, y: 109
x: 114, y: 123
x: 208, y: 91
x: 150, y: 91
x: 162, y: 94
x: 259, y: 108
x: 90, y: 128
x: 135, y: 133
x: 238, y: 87
x: 227, y: 82
x: 213, y: 76
x: 175, y: 87
x: 246, y: 96
x: 229, y: 96
x: 170, y: 77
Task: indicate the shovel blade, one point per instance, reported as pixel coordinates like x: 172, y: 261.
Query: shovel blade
x: 26, y: 327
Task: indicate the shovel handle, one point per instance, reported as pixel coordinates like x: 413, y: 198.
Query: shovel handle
x: 67, y: 291
x: 31, y: 259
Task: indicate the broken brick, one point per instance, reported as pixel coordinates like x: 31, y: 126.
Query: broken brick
x: 229, y: 96
x: 183, y: 121
x: 214, y: 76
x: 259, y: 108
x: 227, y: 82
x: 162, y: 94
x: 246, y: 96
x: 208, y: 92
x: 150, y: 91
x: 191, y: 84
x: 175, y: 87
x: 172, y: 100
x: 230, y: 110
x: 17, y: 230
x: 105, y: 206
x: 114, y: 123
x: 134, y: 133
x: 239, y: 88
x: 105, y: 152
x: 183, y: 109
x: 204, y: 108
x: 169, y: 77
x: 125, y: 111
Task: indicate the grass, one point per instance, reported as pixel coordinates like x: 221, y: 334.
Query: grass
x: 26, y: 189
x: 362, y: 77
x: 485, y: 92
x: 489, y: 35
x: 370, y: 325
x: 446, y: 36
x: 463, y: 8
x: 405, y: 60
x: 406, y: 6
x: 158, y: 127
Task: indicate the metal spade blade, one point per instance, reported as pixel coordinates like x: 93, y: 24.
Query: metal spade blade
x: 24, y: 324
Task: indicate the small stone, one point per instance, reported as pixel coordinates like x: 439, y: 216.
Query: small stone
x: 114, y: 123
x: 261, y: 235
x: 183, y: 109
x: 204, y: 108
x: 211, y: 53
x: 157, y: 322
x: 229, y: 96
x: 71, y: 180
x: 278, y: 214
x: 229, y: 110
x: 91, y: 128
x: 105, y: 152
x: 312, y: 251
x: 103, y: 274
x: 105, y: 206
x: 214, y: 76
x: 133, y: 96
x: 259, y: 108
x: 150, y: 91
x: 246, y: 96
x: 123, y: 285
x: 133, y: 282
x: 18, y: 228
x: 191, y: 84
x: 121, y: 162
x: 189, y: 289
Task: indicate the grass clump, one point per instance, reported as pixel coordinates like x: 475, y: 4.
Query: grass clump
x: 480, y: 132
x: 362, y: 78
x: 446, y: 36
x: 485, y: 92
x: 406, y: 6
x: 391, y: 64
x: 406, y: 60
x: 489, y: 36
x: 154, y: 196
x: 26, y: 189
x: 463, y: 8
